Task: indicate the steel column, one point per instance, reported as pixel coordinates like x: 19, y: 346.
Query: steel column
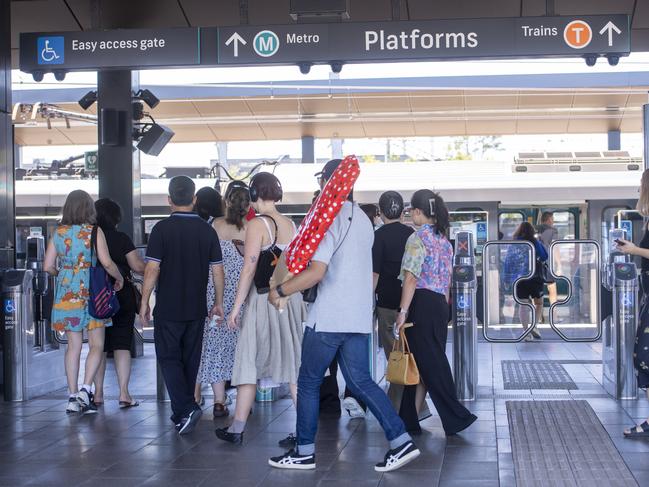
x: 7, y: 203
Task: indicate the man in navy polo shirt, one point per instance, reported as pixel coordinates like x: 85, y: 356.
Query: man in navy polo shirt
x: 181, y: 251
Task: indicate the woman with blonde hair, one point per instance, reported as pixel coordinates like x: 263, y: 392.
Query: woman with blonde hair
x: 75, y: 249
x: 641, y: 351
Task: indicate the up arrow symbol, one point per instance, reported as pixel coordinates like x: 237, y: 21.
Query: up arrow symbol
x: 236, y: 39
x: 610, y: 27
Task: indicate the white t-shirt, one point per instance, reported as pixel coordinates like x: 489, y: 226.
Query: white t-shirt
x: 345, y: 296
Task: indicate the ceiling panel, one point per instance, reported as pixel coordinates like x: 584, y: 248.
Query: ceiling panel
x: 40, y: 136
x: 237, y: 132
x: 440, y: 100
x: 376, y: 103
x: 275, y: 106
x: 600, y: 100
x: 334, y: 130
x: 641, y: 17
x: 202, y: 13
x: 328, y: 105
x: 209, y: 108
x: 631, y: 123
x: 541, y: 100
x: 594, y: 7
x: 389, y: 129
x: 174, y: 109
x: 39, y: 16
x: 488, y: 99
x: 425, y: 9
x: 192, y: 133
x: 262, y: 12
x: 276, y: 131
x: 375, y: 10
x: 541, y: 126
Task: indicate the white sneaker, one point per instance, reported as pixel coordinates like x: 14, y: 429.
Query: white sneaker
x: 397, y: 458
x: 353, y: 408
x: 73, y: 406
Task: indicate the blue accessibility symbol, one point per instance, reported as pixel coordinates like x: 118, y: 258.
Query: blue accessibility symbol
x: 50, y: 50
x: 10, y: 306
x: 463, y: 302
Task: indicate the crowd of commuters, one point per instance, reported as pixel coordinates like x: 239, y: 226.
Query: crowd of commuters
x: 220, y: 319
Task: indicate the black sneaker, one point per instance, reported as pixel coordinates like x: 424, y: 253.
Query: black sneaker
x: 188, y: 424
x: 397, y: 458
x: 293, y: 461
x: 289, y: 442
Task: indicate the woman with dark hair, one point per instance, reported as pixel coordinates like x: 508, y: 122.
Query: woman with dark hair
x: 119, y: 337
x: 372, y: 212
x: 220, y: 341
x: 69, y: 256
x: 270, y: 341
x: 426, y: 275
x: 209, y: 204
x: 527, y: 289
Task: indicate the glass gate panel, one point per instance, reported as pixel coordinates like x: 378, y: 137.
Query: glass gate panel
x: 506, y: 266
x: 575, y: 316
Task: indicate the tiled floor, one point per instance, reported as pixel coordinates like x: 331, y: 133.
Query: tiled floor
x: 40, y: 445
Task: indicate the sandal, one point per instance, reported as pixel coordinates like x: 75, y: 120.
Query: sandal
x: 634, y: 433
x: 129, y: 404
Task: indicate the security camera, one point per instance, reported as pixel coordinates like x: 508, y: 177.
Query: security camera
x: 38, y: 75
x: 59, y: 75
x: 613, y: 59
x: 590, y: 60
x: 305, y: 67
x: 336, y: 66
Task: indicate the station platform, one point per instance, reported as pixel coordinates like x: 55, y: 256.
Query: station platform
x: 554, y: 444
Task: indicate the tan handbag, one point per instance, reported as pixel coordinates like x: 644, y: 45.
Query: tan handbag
x: 402, y: 368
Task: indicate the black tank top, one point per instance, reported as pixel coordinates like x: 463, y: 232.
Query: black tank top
x: 268, y: 259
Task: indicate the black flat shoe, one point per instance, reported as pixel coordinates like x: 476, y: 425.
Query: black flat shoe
x: 225, y: 435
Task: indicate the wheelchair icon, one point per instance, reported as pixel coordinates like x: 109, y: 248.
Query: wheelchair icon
x: 10, y: 306
x: 48, y: 54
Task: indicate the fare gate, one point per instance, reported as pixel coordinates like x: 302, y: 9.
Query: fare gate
x: 595, y: 302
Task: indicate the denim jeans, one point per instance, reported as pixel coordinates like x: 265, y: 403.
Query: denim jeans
x: 352, y: 352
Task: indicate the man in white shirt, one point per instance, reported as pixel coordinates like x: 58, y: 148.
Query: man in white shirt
x: 338, y: 325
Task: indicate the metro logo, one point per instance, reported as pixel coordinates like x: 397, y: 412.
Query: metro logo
x: 578, y: 34
x: 266, y: 43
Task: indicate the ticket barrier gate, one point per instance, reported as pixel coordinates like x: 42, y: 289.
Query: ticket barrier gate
x: 465, y: 325
x: 620, y: 279
x: 32, y: 360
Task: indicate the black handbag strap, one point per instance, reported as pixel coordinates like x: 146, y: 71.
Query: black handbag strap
x: 274, y: 243
x: 93, y: 243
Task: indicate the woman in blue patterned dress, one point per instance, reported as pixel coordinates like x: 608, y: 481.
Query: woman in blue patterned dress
x: 70, y: 246
x: 219, y: 340
x: 426, y: 275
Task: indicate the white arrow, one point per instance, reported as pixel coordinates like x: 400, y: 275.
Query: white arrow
x: 236, y: 39
x: 610, y: 27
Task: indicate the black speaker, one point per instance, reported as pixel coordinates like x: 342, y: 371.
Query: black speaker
x: 155, y: 139
x: 112, y: 123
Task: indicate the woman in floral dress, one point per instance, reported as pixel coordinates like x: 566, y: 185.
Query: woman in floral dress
x: 71, y: 247
x: 220, y: 341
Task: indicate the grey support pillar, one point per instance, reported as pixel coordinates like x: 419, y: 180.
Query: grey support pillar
x: 7, y: 202
x: 645, y: 134
x: 308, y: 149
x: 336, y: 148
x: 614, y: 140
x: 119, y: 165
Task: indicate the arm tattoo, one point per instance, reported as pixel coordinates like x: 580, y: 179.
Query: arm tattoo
x: 253, y: 259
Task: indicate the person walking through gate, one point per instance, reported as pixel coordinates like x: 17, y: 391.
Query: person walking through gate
x: 641, y: 349
x: 426, y: 276
x: 119, y: 337
x: 72, y: 246
x: 548, y: 233
x: 339, y: 324
x: 387, y: 253
x: 181, y: 251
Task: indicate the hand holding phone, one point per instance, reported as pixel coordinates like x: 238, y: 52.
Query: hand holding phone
x: 620, y: 243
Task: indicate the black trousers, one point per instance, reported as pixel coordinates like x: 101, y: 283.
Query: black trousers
x: 178, y: 346
x: 429, y: 312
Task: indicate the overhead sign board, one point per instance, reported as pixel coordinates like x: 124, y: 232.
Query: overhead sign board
x: 124, y: 48
x: 425, y: 40
x: 516, y: 37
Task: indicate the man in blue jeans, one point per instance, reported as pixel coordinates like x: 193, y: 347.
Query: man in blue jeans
x: 339, y: 324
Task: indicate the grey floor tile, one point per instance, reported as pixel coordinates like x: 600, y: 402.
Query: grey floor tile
x: 181, y: 477
x: 402, y: 478
x: 461, y: 471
